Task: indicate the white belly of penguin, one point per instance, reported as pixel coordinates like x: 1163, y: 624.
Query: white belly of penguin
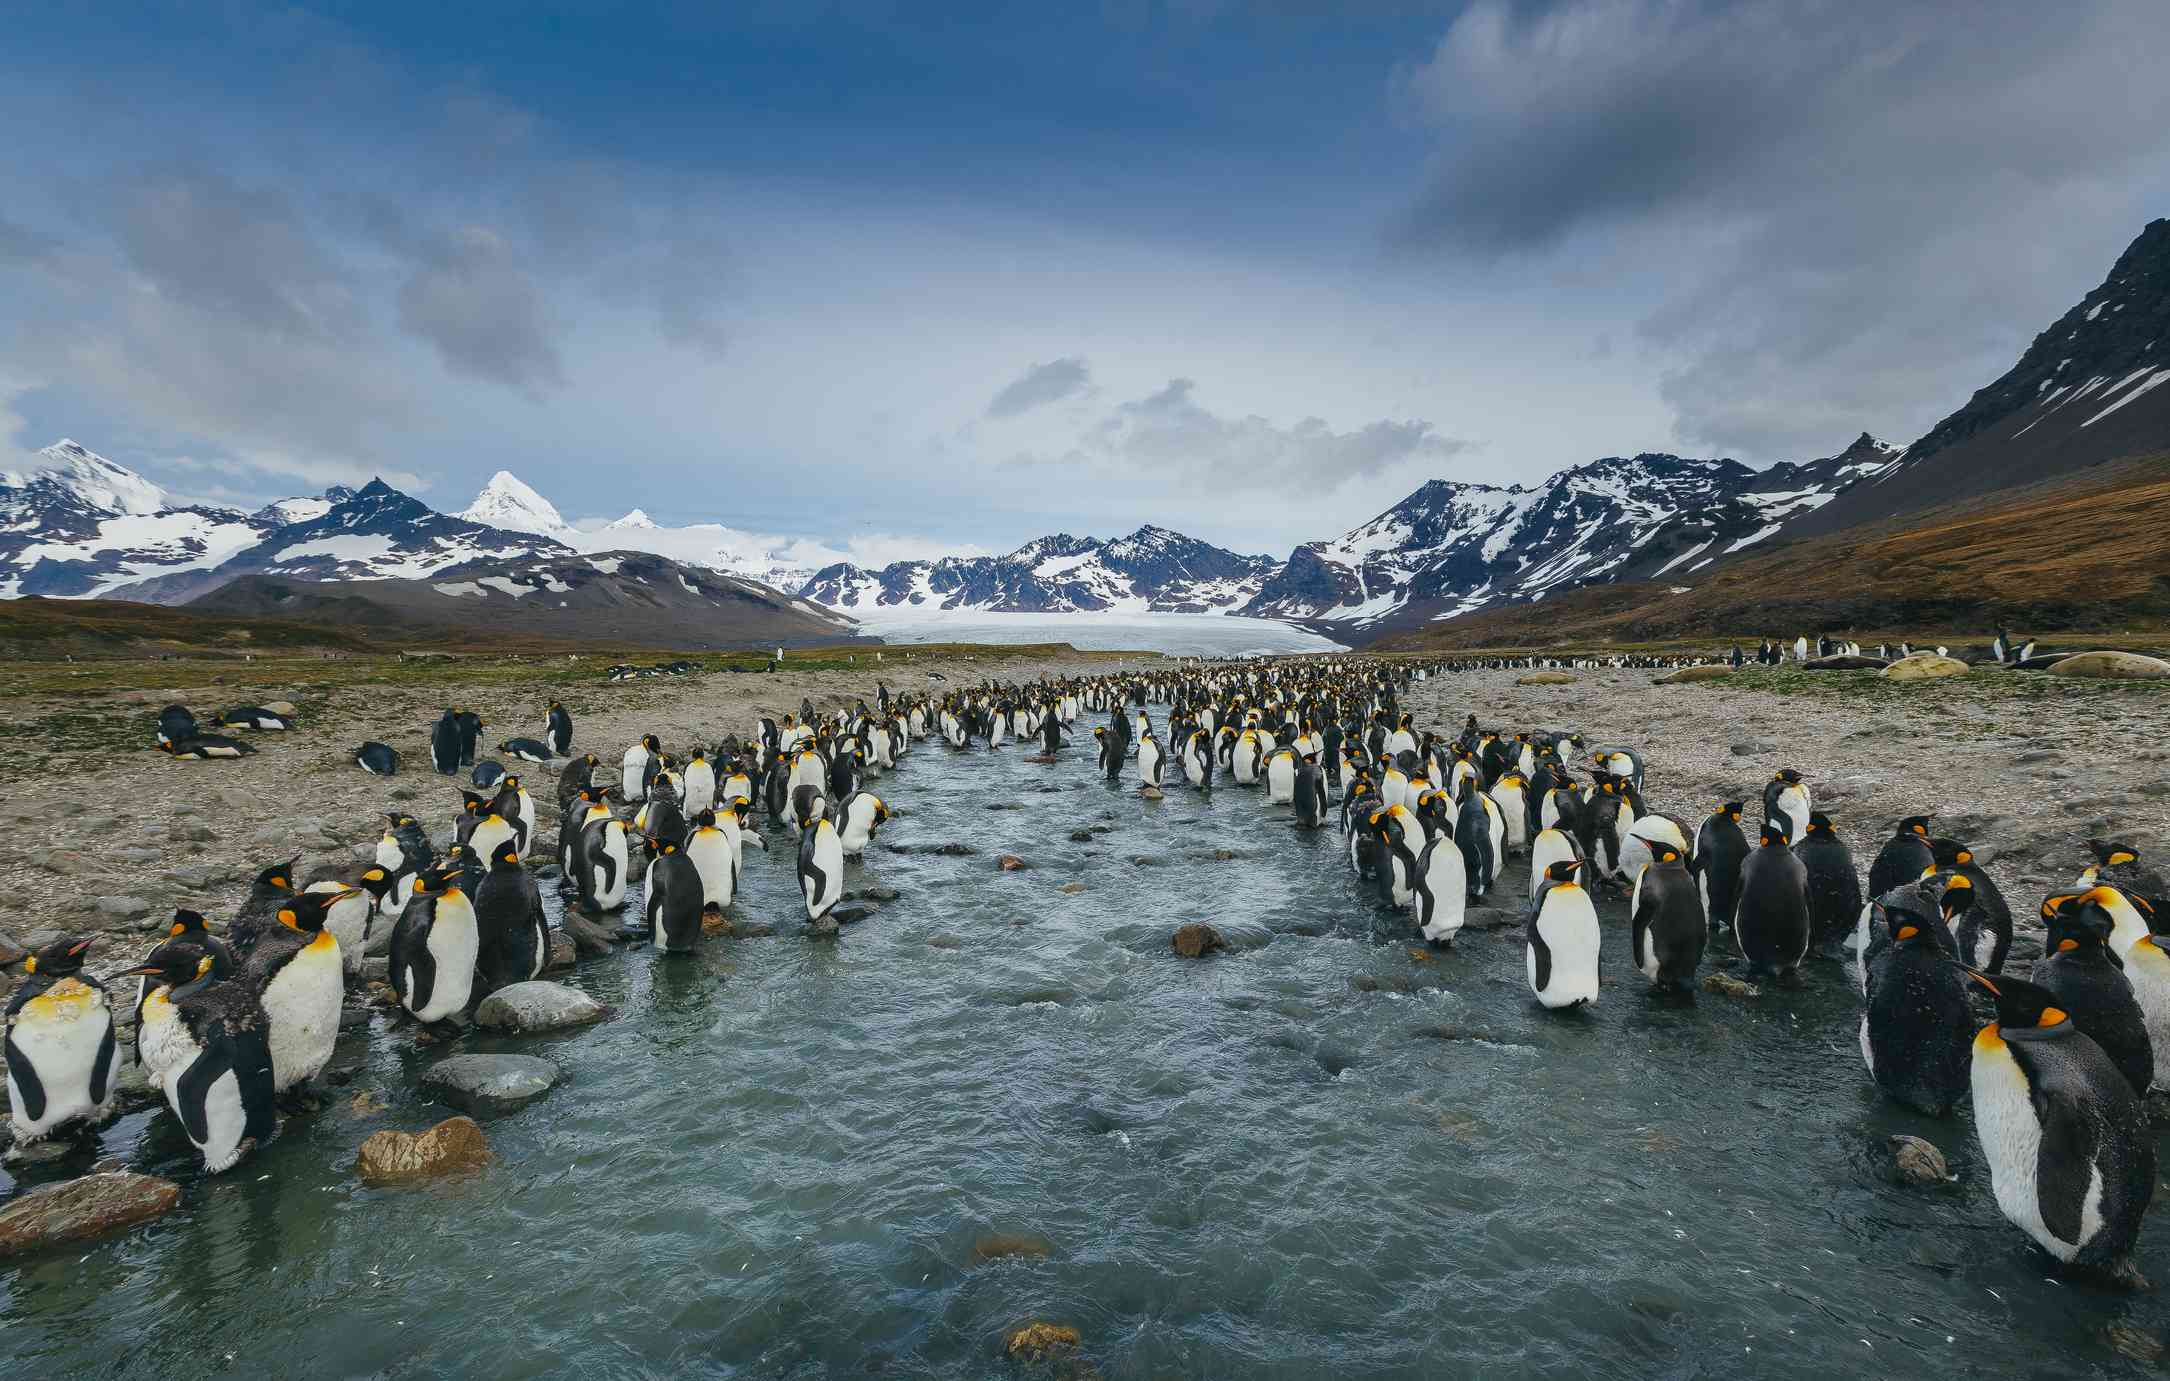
x: 1570, y: 932
x: 225, y: 1121
x: 710, y: 853
x: 2011, y: 1139
x: 302, y: 1001
x: 1281, y: 781
x: 611, y: 891
x: 453, y: 942
x: 348, y: 923
x: 700, y: 789
x: 61, y: 1038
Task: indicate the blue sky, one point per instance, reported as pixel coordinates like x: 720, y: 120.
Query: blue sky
x: 914, y: 277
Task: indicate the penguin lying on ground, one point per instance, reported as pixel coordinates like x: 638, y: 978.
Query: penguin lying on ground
x: 206, y: 747
x: 379, y: 758
x: 252, y: 717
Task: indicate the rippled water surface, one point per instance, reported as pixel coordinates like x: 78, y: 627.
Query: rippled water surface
x: 1311, y: 1156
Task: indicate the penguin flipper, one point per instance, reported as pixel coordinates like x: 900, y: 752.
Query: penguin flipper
x: 193, y: 1087
x: 421, y: 974
x: 2065, y: 1165
x: 24, y: 1075
x: 101, y: 1069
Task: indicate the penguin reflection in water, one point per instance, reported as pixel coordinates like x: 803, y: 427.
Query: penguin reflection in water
x: 2071, y: 1156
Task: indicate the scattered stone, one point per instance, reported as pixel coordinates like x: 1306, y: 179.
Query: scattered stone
x: 489, y: 1083
x: 1071, y: 888
x: 1039, y: 1342
x: 122, y: 908
x: 1489, y: 918
x: 1151, y: 793
x: 945, y: 941
x: 1687, y: 675
x: 1753, y: 748
x: 1081, y: 836
x: 1918, y: 1162
x: 1924, y: 666
x: 2137, y: 1343
x: 852, y: 915
x: 1196, y: 940
x: 2125, y: 666
x: 1146, y: 861
x: 1225, y: 855
x: 363, y: 1104
x: 753, y: 930
x: 715, y: 923
x: 538, y: 1005
x: 453, y: 1145
x: 1011, y: 863
x: 954, y: 850
x: 1545, y: 678
x: 563, y: 954
x: 997, y: 1245
x: 881, y: 892
x: 1726, y: 985
x: 823, y: 925
x: 57, y: 1214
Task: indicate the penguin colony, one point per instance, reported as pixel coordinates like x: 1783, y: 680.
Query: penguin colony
x: 227, y: 1027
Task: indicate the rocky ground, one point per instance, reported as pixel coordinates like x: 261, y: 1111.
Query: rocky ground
x: 99, y: 833
x: 2023, y: 766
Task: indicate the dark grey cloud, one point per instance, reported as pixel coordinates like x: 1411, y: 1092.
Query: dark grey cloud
x: 472, y: 298
x: 1858, y: 207
x: 1040, y: 385
x: 1169, y: 432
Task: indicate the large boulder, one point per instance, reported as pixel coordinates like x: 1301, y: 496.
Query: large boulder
x: 489, y: 1083
x: 537, y: 1005
x: 1924, y: 666
x: 2120, y: 666
x: 1545, y: 678
x: 1196, y: 940
x: 453, y: 1145
x: 57, y: 1214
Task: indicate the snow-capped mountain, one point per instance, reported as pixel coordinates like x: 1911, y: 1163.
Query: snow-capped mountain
x: 80, y: 525
x: 1152, y: 569
x: 507, y: 502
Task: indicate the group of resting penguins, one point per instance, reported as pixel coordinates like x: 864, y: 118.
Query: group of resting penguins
x: 2056, y: 1078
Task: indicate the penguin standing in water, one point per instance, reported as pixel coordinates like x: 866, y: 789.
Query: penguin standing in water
x: 1547, y: 848
x: 604, y: 859
x: 1985, y: 934
x: 444, y: 743
x: 1111, y: 753
x: 637, y: 767
x: 258, y: 914
x: 858, y: 818
x: 1439, y: 893
x: 1562, y: 940
x: 2089, y: 985
x: 207, y: 1043
x: 1150, y: 759
x: 190, y: 925
x: 61, y: 1054
x: 821, y: 868
x: 709, y: 848
x: 558, y: 730
x: 1310, y: 797
x: 1052, y: 737
x: 1473, y: 833
x: 1666, y: 928
x: 434, y: 947
x: 299, y: 978
x: 1199, y: 759
x: 512, y: 933
x: 2071, y: 1155
x: 1787, y: 794
x: 1904, y: 857
x: 1915, y: 1025
x: 675, y: 898
x: 1281, y: 777
x: 1834, y: 888
x: 1771, y: 926
x: 358, y: 894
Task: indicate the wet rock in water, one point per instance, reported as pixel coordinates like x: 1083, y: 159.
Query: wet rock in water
x: 954, y: 850
x: 2129, y: 666
x: 1225, y: 855
x: 1726, y: 985
x: 715, y: 923
x: 1147, y: 861
x: 1041, y: 758
x: 2137, y: 1343
x: 363, y: 1104
x: 1081, y: 836
x: 1489, y: 918
x: 1151, y: 793
x: 823, y: 925
x: 537, y: 1005
x: 489, y: 1083
x: 1689, y: 675
x: 1040, y: 1342
x: 879, y: 892
x: 57, y: 1214
x: 1924, y: 666
x: 994, y: 1246
x: 1011, y: 863
x: 1071, y: 888
x: 451, y: 1146
x: 852, y: 915
x: 1196, y: 940
x: 1545, y: 678
x: 39, y: 1152
x: 563, y: 954
x: 1918, y: 1162
x: 376, y: 968
x: 752, y: 930
x: 945, y: 941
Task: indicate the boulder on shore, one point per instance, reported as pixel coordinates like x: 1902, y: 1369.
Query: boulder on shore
x: 453, y: 1145
x: 537, y: 1005
x: 57, y: 1214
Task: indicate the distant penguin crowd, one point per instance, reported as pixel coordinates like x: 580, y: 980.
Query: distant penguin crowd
x: 233, y: 1023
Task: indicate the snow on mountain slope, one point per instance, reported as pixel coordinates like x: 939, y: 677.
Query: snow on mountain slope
x: 507, y: 502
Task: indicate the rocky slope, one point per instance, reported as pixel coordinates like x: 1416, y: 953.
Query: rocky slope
x: 1152, y: 569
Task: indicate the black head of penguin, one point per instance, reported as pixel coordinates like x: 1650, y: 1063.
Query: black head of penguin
x: 186, y: 922
x: 2025, y: 1011
x: 1913, y: 824
x: 1777, y: 832
x: 2110, y: 853
x: 2080, y: 923
x: 305, y: 911
x: 62, y: 958
x: 279, y: 877
x: 185, y: 966
x: 376, y: 882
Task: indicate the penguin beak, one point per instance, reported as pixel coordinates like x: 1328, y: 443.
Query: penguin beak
x: 139, y: 971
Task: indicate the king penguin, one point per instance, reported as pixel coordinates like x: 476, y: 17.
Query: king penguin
x: 1666, y: 928
x: 1562, y: 940
x: 434, y: 947
x: 821, y: 868
x: 207, y: 1043
x: 1915, y: 1026
x: 61, y: 1054
x: 1771, y: 926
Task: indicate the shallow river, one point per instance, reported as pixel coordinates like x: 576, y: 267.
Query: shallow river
x: 1312, y: 1156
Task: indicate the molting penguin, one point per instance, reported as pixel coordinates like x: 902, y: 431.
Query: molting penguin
x: 61, y: 1054
x: 1562, y: 940
x: 2071, y: 1156
x: 1787, y: 794
x: 1666, y: 928
x: 1834, y: 888
x: 297, y: 974
x: 1771, y: 926
x: 434, y: 947
x: 1915, y: 1026
x: 1904, y: 857
x: 821, y: 868
x: 2089, y: 984
x: 207, y: 1043
x: 637, y: 767
x: 512, y: 933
